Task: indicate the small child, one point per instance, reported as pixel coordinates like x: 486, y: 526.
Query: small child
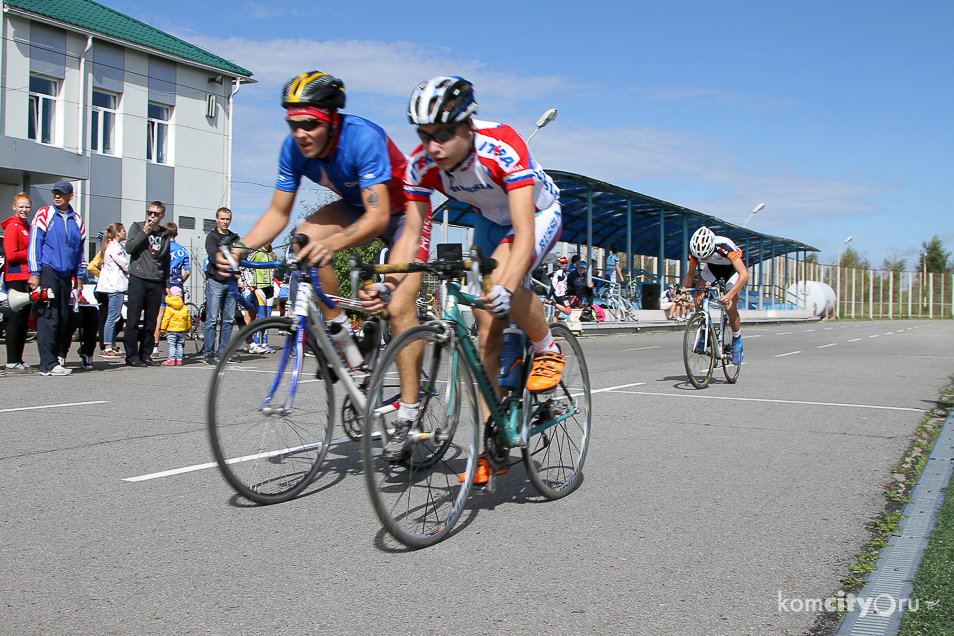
x: 176, y: 322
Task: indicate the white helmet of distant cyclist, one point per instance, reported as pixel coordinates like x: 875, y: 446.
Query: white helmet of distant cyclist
x: 702, y: 243
x: 442, y: 100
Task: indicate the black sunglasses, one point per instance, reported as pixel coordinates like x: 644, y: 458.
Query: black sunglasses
x: 154, y: 213
x: 441, y: 135
x: 307, y: 125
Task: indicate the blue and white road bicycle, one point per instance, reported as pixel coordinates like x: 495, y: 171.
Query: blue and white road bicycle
x: 271, y: 416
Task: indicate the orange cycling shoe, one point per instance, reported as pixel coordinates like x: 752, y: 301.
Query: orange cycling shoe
x: 483, y: 472
x: 546, y: 370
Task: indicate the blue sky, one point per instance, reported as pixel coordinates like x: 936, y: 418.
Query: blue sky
x: 836, y: 115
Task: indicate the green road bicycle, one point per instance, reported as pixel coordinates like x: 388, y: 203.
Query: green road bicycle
x: 421, y: 495
x: 706, y: 341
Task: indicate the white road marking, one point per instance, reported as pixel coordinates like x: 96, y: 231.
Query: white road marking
x: 854, y: 340
x: 807, y: 330
x: 783, y: 333
x: 827, y: 345
x: 874, y: 336
x: 642, y: 348
x: 827, y: 328
x: 190, y: 469
x: 790, y: 353
x: 741, y: 399
x: 53, y: 406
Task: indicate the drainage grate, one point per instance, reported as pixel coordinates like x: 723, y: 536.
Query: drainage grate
x: 899, y: 561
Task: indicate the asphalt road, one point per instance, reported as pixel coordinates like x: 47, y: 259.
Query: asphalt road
x: 698, y: 508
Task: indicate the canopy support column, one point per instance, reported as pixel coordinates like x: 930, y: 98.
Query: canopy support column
x: 629, y: 237
x: 589, y: 233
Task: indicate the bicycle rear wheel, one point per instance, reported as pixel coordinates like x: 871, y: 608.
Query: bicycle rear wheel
x: 270, y: 456
x: 697, y: 351
x: 554, y: 456
x: 420, y: 496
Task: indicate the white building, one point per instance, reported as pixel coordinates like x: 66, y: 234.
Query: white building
x: 127, y: 113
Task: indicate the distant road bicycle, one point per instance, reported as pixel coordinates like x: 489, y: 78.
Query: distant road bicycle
x: 706, y: 341
x: 270, y: 417
x: 615, y: 302
x: 420, y: 494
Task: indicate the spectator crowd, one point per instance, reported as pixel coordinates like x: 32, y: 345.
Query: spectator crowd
x: 143, y: 270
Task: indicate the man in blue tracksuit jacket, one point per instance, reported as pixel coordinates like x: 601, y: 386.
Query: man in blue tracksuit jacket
x: 55, y: 258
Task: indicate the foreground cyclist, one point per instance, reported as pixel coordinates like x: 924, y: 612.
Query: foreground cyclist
x: 719, y: 258
x: 489, y: 166
x: 356, y: 159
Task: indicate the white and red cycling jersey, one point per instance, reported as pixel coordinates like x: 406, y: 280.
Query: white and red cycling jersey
x: 720, y: 263
x: 499, y: 163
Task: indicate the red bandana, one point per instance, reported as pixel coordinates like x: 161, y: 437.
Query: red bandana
x: 322, y: 114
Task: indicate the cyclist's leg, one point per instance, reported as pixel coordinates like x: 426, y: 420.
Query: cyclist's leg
x: 525, y: 307
x: 402, y: 309
x: 328, y: 220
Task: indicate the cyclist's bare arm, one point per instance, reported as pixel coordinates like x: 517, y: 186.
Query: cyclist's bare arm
x: 370, y: 225
x: 404, y: 250
x: 743, y: 272
x: 690, y: 274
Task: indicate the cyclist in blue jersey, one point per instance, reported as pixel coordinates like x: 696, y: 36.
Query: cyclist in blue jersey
x: 355, y: 159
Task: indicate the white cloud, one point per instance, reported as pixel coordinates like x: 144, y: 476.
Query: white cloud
x: 733, y: 182
x: 382, y: 68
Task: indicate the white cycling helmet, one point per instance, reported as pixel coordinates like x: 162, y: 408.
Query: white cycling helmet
x: 442, y: 100
x: 702, y: 243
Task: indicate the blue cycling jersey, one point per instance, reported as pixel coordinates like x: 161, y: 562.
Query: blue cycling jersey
x: 178, y: 262
x: 364, y: 156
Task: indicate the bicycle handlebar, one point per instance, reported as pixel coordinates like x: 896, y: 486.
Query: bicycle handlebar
x: 440, y: 268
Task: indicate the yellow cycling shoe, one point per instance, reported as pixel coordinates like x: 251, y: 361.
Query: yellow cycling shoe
x: 483, y: 472
x: 546, y: 370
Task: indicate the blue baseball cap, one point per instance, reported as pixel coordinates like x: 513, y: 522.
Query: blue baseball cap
x: 63, y: 186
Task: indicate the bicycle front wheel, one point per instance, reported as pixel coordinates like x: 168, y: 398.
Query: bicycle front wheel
x: 554, y: 455
x: 697, y: 351
x: 418, y: 487
x: 268, y: 437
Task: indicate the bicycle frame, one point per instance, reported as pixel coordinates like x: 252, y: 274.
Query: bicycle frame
x: 506, y: 413
x: 309, y: 320
x: 711, y: 297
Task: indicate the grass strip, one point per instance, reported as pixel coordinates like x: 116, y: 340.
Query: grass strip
x: 934, y: 582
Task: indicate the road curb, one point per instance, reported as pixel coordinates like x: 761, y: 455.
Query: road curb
x: 899, y: 561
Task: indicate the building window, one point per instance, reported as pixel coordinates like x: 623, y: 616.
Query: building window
x: 157, y: 141
x: 208, y: 225
x: 103, y: 123
x: 42, y: 109
x: 186, y: 222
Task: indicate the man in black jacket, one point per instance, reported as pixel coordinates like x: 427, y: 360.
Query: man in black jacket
x: 577, y: 285
x: 218, y: 300
x: 147, y: 244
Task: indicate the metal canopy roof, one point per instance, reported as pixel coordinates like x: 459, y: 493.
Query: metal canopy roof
x: 609, y: 222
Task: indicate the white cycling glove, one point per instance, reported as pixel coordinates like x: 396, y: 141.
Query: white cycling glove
x: 500, y: 299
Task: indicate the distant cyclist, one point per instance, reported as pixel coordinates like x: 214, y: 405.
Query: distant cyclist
x: 558, y: 286
x: 717, y: 257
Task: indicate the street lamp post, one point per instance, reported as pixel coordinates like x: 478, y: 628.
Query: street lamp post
x: 545, y: 119
x: 758, y: 208
x: 838, y: 274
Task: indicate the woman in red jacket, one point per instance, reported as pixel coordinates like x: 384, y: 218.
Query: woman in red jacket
x: 16, y: 271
